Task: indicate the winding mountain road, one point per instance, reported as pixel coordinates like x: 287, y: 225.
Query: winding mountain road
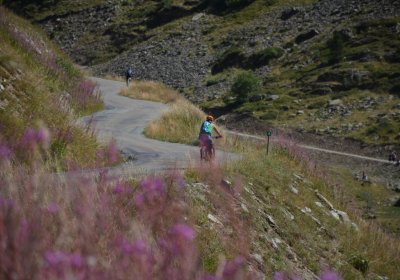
x: 124, y: 120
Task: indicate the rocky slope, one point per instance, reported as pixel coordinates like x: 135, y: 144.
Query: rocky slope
x: 327, y: 67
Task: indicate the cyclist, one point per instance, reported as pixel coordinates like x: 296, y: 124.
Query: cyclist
x: 128, y: 75
x: 205, y: 135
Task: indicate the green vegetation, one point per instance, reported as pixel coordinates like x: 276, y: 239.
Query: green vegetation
x: 336, y: 47
x: 281, y: 224
x: 42, y: 88
x: 245, y: 84
x: 38, y: 10
x: 263, y: 57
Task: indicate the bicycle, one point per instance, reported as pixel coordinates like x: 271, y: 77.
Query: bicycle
x: 207, y: 150
x: 128, y: 80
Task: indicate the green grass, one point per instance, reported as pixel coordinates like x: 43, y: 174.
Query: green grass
x: 38, y: 11
x: 32, y: 99
x: 263, y: 182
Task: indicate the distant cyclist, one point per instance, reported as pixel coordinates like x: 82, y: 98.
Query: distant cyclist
x: 206, y: 131
x: 128, y: 75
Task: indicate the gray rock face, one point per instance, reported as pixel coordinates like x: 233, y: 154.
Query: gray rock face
x: 67, y: 30
x: 182, y: 57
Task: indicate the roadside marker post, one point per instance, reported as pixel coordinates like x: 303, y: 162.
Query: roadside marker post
x: 269, y: 133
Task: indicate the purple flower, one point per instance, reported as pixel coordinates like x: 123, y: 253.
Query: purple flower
x: 52, y: 208
x: 139, y: 199
x: 330, y: 275
x: 183, y: 231
x: 29, y: 138
x: 76, y: 260
x: 233, y: 267
x: 122, y: 187
x: 119, y: 188
x: 152, y: 190
x: 126, y: 247
x: 210, y: 277
x: 112, y: 152
x: 279, y: 276
x: 152, y: 184
x: 5, y: 152
x: 140, y: 247
x: 54, y: 257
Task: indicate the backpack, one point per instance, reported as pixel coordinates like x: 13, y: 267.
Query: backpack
x: 130, y: 72
x: 206, y: 128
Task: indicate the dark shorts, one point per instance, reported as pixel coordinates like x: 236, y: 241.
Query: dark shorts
x: 205, y: 140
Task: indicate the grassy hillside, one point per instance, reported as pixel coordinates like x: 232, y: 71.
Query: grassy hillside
x: 279, y: 210
x: 272, y: 216
x: 43, y: 92
x: 341, y: 86
x: 325, y: 67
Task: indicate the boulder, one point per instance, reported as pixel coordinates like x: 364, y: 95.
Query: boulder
x: 306, y: 36
x: 346, y: 33
x: 289, y: 12
x: 271, y: 97
x: 214, y: 219
x: 257, y: 97
x: 335, y: 102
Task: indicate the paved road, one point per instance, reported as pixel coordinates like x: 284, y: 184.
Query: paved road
x: 124, y: 120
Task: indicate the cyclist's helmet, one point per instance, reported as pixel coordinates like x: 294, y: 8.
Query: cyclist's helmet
x: 210, y: 118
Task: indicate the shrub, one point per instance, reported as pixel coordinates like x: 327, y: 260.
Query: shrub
x: 228, y: 4
x: 270, y: 115
x: 264, y: 56
x: 245, y: 84
x: 360, y: 263
x: 336, y: 46
x: 229, y: 58
x: 395, y: 89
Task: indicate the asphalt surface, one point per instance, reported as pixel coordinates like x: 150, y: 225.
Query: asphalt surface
x: 124, y: 120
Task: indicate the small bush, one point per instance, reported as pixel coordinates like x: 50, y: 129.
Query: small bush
x: 360, y: 263
x: 336, y: 47
x: 229, y: 58
x: 245, y: 84
x: 269, y: 115
x: 228, y: 4
x: 395, y: 89
x: 264, y: 56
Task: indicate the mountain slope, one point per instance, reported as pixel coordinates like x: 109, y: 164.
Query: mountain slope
x: 326, y: 67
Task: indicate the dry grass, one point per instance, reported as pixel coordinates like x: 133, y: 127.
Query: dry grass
x: 150, y: 90
x: 180, y: 124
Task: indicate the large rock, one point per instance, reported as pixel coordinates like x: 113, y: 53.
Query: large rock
x: 306, y: 36
x: 289, y: 12
x: 335, y: 102
x: 351, y: 78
